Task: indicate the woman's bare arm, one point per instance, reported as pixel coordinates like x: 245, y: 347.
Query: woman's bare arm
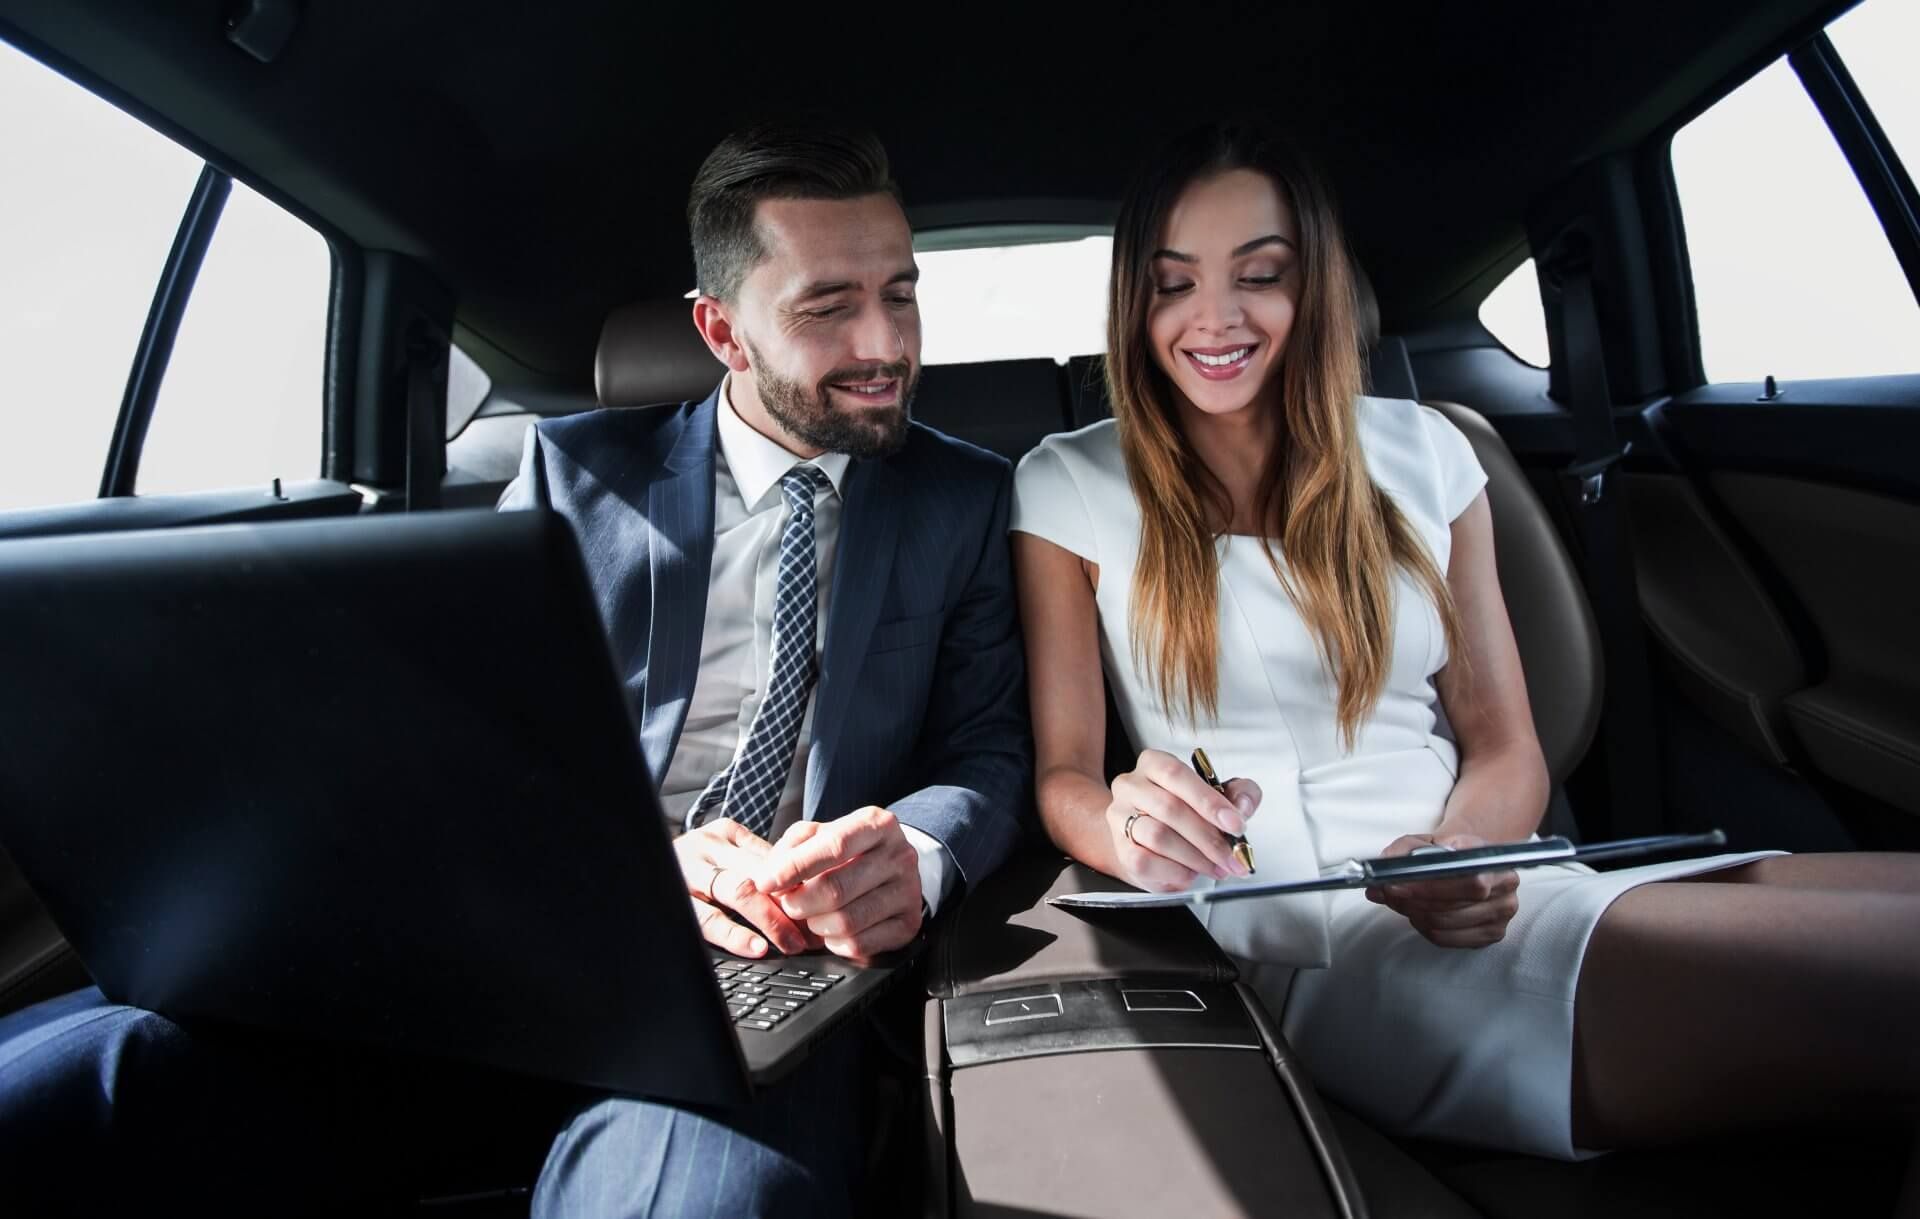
x: 1501, y: 793
x: 1178, y: 833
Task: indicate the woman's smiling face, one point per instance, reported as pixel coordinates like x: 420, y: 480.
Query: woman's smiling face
x: 1226, y: 286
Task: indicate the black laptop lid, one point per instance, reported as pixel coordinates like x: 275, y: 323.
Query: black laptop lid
x: 372, y: 779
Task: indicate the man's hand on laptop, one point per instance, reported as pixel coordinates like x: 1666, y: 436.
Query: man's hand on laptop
x: 853, y: 882
x: 719, y: 861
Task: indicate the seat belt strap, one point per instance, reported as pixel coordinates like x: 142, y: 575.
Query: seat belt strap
x: 1627, y: 726
x: 426, y: 440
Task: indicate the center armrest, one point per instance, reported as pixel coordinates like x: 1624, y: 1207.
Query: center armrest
x: 1005, y: 934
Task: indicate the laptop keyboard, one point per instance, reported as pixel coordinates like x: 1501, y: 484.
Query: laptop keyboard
x: 761, y: 994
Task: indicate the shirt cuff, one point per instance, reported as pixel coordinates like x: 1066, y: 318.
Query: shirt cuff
x: 936, y: 867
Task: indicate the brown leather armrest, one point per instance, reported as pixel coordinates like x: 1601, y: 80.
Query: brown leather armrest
x: 1315, y: 1126
x: 1864, y: 733
x: 1004, y: 934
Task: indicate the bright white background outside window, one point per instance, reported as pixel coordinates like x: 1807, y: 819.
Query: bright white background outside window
x: 241, y: 403
x: 1044, y: 300
x: 1513, y: 314
x: 1792, y: 273
x: 1877, y: 42
x: 467, y: 388
x: 242, y: 394
x: 91, y: 202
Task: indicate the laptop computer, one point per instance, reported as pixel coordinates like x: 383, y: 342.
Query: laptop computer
x: 375, y: 780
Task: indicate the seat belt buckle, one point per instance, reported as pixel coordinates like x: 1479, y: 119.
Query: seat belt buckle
x: 1592, y: 474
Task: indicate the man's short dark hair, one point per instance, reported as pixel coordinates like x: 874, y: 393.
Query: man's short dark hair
x: 773, y: 160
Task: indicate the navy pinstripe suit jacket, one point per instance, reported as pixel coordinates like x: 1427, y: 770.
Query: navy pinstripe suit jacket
x: 921, y: 705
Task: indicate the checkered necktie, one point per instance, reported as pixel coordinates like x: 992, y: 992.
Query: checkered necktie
x: 748, y: 789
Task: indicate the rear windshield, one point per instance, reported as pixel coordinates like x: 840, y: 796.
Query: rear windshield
x: 1036, y: 299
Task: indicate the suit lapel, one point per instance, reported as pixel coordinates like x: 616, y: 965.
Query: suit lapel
x: 869, y: 531
x: 679, y: 563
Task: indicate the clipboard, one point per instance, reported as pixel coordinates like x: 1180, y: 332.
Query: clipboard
x: 1422, y: 863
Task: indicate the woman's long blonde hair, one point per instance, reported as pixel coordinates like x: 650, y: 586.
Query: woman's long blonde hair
x: 1341, y: 537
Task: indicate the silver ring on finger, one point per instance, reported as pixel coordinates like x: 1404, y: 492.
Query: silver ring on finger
x: 1127, y: 828
x: 710, y: 883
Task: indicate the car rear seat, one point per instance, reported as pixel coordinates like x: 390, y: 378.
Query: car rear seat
x: 650, y: 355
x: 1007, y: 406
x: 1558, y: 639
x: 1559, y: 645
x: 1553, y: 625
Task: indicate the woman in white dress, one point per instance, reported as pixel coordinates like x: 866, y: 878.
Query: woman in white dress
x: 1301, y: 580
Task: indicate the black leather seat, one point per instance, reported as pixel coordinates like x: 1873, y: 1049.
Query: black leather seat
x: 649, y: 354
x: 1006, y: 406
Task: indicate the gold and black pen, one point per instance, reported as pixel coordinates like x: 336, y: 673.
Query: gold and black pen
x: 1241, y: 851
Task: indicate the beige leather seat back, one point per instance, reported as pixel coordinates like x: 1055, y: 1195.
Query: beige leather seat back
x: 650, y: 353
x: 1552, y: 623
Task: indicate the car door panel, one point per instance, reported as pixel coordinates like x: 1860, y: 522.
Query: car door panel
x: 294, y: 501
x: 1725, y: 643
x: 1771, y: 539
x: 1848, y: 556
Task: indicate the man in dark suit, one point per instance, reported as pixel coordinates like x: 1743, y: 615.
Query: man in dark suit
x: 810, y: 598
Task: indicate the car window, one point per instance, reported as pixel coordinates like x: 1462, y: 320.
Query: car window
x: 1792, y: 273
x: 467, y: 388
x: 1512, y: 313
x: 241, y: 400
x: 1876, y: 42
x: 87, y: 216
x: 1033, y: 299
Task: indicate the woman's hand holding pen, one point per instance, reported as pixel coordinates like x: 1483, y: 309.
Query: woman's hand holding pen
x: 1170, y: 828
x: 1459, y: 912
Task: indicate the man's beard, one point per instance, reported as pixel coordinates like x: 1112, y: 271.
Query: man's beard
x: 808, y: 414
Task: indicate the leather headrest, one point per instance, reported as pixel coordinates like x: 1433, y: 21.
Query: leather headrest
x: 1366, y: 308
x: 1389, y: 369
x: 650, y: 353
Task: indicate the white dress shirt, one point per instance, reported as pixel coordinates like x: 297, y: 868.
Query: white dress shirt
x: 736, y: 642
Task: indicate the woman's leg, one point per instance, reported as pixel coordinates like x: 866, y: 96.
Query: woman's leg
x: 1877, y: 872
x: 1707, y: 1006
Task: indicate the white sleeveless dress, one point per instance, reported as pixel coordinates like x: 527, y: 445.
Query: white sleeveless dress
x: 1471, y: 1045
